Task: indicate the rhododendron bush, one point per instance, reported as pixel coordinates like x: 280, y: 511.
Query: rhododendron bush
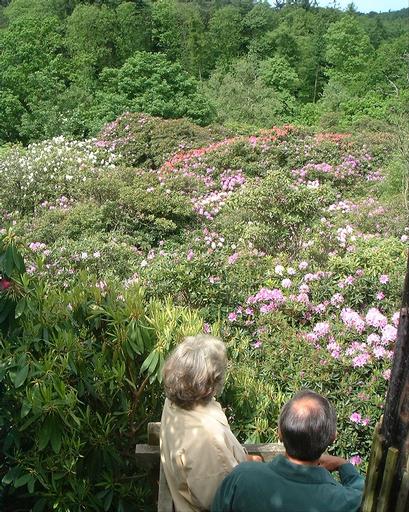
x: 284, y: 239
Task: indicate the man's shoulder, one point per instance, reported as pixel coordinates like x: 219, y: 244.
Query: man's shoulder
x: 252, y: 470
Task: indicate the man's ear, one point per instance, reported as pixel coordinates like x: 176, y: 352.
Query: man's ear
x: 334, y: 438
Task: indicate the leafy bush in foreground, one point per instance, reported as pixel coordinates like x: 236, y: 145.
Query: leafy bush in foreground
x: 78, y: 374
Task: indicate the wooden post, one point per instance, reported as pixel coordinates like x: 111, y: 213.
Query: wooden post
x: 395, y: 425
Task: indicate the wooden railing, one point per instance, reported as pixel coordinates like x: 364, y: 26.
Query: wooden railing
x: 148, y: 456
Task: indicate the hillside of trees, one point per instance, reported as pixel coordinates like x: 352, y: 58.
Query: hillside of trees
x: 69, y: 66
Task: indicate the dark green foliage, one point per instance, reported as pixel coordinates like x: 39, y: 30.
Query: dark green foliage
x: 79, y: 371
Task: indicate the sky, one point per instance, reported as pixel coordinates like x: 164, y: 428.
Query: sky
x: 369, y: 5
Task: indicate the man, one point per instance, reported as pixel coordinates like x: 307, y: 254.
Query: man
x: 299, y: 481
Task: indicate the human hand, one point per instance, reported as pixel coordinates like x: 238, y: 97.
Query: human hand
x: 254, y: 458
x: 331, y: 462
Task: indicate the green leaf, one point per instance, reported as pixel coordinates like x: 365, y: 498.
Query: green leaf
x: 8, y: 263
x: 30, y: 485
x: 21, y: 306
x: 108, y: 500
x: 20, y: 376
x: 22, y: 480
x: 40, y: 505
x: 25, y: 409
x: 146, y: 364
x: 55, y: 438
x: 45, y: 434
x: 6, y: 311
x: 18, y: 260
x: 11, y: 475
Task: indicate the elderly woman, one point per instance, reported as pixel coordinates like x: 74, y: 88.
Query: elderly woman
x: 198, y: 448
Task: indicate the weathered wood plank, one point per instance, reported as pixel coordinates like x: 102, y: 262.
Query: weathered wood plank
x: 147, y: 456
x: 373, y: 474
x: 402, y: 504
x: 165, y: 502
x: 389, y: 475
x: 267, y: 450
x: 153, y: 433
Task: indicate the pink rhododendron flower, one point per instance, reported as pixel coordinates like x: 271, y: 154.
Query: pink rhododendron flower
x: 4, y: 284
x: 355, y: 460
x: 266, y: 308
x: 386, y: 374
x: 355, y: 417
x: 375, y: 318
x: 395, y: 318
x: 279, y: 269
x: 321, y: 329
x: 233, y: 258
x: 190, y: 255
x: 286, y: 283
x: 373, y: 339
x: 337, y: 299
x: 232, y: 317
x: 389, y: 334
x: 380, y: 295
x: 303, y: 298
x: 352, y: 319
x: 384, y: 279
x: 379, y: 352
x: 303, y: 265
x: 361, y: 360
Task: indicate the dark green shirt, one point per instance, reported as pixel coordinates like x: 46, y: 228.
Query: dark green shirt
x: 282, y: 486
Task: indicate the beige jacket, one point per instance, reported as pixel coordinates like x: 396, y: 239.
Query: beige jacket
x: 198, y: 450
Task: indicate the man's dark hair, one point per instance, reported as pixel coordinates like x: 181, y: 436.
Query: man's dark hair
x: 308, y: 424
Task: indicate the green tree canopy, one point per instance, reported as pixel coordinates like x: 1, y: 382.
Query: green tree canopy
x: 150, y: 83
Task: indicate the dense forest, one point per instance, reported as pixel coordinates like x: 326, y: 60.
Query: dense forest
x: 69, y: 66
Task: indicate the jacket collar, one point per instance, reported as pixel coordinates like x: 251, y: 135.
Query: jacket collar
x: 299, y: 472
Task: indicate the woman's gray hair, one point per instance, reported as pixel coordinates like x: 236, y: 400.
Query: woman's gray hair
x: 194, y: 372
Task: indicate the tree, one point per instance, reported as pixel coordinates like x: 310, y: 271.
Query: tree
x: 178, y: 31
x: 259, y: 20
x: 134, y: 28
x: 91, y: 39
x: 348, y: 49
x: 276, y: 72
x: 248, y: 93
x: 33, y: 71
x: 150, y: 83
x: 225, y: 34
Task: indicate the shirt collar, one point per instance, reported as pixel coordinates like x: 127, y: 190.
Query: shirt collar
x: 299, y: 472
